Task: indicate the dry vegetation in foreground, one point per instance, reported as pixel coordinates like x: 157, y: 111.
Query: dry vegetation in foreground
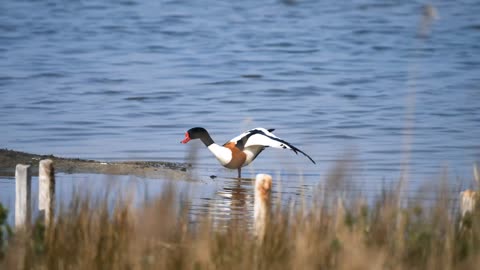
x: 159, y: 235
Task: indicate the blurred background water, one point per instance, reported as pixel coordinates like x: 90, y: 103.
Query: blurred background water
x: 386, y: 84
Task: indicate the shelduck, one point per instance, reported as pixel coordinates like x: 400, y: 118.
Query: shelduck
x: 243, y: 149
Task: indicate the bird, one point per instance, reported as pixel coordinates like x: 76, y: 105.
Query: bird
x: 243, y: 149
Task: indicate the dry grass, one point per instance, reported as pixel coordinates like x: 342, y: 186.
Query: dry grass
x: 330, y: 234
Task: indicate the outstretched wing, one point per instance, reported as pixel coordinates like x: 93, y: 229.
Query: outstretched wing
x: 264, y: 137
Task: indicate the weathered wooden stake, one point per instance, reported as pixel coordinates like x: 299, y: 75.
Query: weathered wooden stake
x: 468, y: 202
x: 46, y: 190
x: 23, y: 204
x: 261, y: 212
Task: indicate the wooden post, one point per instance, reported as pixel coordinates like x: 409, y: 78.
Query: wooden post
x: 46, y: 189
x: 468, y: 202
x: 23, y: 204
x: 261, y: 212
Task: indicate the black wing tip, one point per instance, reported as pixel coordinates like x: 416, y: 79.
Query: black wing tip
x: 308, y: 157
x: 296, y: 150
x: 313, y: 161
x: 293, y: 148
x: 271, y: 129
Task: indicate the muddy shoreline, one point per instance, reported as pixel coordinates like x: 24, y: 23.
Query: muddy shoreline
x: 149, y: 169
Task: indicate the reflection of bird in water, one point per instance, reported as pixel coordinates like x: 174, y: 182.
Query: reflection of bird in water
x: 237, y: 194
x: 233, y: 202
x: 243, y: 149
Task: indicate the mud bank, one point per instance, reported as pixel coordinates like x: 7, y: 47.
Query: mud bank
x: 151, y: 169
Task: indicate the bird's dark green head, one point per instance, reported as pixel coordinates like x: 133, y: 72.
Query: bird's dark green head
x: 198, y: 133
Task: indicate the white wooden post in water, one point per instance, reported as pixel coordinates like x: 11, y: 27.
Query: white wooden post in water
x: 23, y: 204
x: 46, y: 189
x: 261, y: 211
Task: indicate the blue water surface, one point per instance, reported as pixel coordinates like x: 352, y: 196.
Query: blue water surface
x: 391, y: 86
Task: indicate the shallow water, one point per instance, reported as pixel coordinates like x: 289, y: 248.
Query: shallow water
x: 223, y: 199
x: 378, y: 83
